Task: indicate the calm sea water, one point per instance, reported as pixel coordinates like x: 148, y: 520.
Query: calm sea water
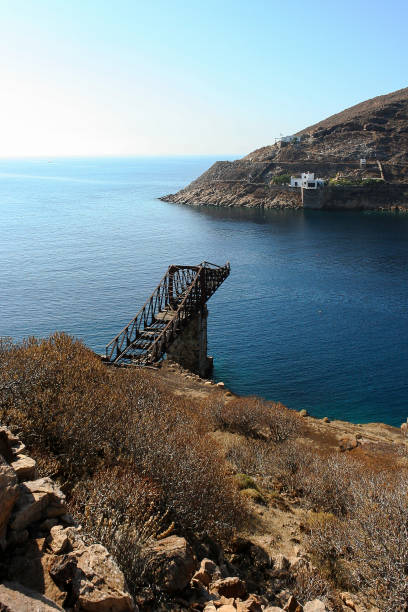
x: 314, y: 313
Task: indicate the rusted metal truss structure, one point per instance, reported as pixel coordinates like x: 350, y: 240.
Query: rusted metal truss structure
x: 179, y: 296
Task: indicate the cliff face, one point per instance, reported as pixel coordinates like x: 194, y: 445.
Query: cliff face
x: 376, y: 130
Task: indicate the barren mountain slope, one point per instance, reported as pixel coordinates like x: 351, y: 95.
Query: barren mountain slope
x: 375, y: 128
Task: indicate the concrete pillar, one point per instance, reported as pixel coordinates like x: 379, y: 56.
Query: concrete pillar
x: 190, y: 348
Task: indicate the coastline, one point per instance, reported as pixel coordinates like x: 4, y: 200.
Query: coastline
x: 327, y: 433
x: 388, y: 197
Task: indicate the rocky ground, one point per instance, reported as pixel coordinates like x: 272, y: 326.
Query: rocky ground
x: 45, y: 563
x: 48, y: 564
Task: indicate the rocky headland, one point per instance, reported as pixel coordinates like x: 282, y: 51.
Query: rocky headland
x: 375, y: 131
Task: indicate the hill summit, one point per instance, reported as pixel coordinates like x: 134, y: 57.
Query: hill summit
x: 364, y: 142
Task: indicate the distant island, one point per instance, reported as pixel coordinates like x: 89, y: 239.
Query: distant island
x: 356, y: 159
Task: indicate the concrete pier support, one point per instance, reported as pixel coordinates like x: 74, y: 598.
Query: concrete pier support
x: 190, y: 348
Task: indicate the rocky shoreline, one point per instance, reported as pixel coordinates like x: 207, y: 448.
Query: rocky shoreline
x: 230, y: 195
x: 209, y: 190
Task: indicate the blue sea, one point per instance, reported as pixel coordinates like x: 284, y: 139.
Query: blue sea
x: 314, y: 313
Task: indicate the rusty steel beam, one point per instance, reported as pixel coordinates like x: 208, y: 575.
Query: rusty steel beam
x: 180, y: 294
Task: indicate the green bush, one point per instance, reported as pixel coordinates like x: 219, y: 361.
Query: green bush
x: 353, y: 181
x: 372, y: 181
x: 245, y: 482
x: 281, y: 179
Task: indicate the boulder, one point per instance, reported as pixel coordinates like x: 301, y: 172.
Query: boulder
x: 348, y: 443
x: 315, y: 606
x: 170, y: 563
x: 9, y: 492
x: 30, y: 568
x: 281, y: 563
x: 98, y: 584
x: 16, y: 598
x: 205, y: 572
x: 227, y: 608
x: 252, y: 604
x: 348, y: 600
x: 10, y: 445
x: 6, y: 444
x: 38, y: 499
x: 24, y: 467
x: 293, y: 605
x: 58, y: 540
x: 229, y: 587
x: 224, y: 601
x: 62, y: 570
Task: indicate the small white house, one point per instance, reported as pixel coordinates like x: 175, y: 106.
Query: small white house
x: 307, y: 180
x: 289, y: 139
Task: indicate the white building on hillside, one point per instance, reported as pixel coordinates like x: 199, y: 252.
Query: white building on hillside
x: 307, y: 180
x: 286, y: 139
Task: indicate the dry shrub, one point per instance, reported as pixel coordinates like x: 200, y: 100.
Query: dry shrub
x: 254, y: 457
x: 368, y: 550
x: 326, y: 544
x: 122, y: 511
x: 69, y: 404
x: 309, y: 584
x: 327, y: 483
x: 257, y: 419
x: 378, y: 540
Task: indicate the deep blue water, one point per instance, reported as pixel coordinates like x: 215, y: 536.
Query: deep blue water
x: 314, y: 313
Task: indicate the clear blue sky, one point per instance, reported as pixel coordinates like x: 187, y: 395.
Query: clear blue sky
x: 123, y: 77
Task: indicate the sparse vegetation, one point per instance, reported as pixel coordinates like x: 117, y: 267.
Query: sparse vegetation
x: 354, y: 181
x: 138, y: 462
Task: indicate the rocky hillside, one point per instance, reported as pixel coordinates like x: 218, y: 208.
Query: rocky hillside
x: 376, y: 130
x: 158, y: 490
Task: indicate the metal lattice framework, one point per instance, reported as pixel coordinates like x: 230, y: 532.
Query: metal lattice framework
x: 181, y: 293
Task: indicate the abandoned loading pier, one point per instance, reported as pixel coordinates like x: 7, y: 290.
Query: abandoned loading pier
x: 172, y: 321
